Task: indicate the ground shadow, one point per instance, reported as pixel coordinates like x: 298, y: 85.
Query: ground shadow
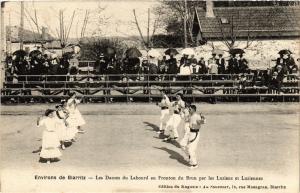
x: 52, y: 160
x: 153, y: 126
x: 37, y: 150
x: 174, y: 155
x: 173, y: 142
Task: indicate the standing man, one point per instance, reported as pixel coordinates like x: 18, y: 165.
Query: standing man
x: 164, y: 105
x: 221, y: 64
x: 233, y: 65
x: 195, y: 122
x: 172, y: 67
x: 174, y: 121
x: 243, y: 64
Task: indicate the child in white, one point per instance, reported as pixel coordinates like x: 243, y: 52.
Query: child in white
x: 50, y: 140
x: 62, y: 124
x: 75, y: 119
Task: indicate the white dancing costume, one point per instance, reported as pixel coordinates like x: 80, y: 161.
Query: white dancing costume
x: 175, y: 119
x: 165, y: 112
x: 186, y: 117
x: 75, y: 118
x: 50, y: 139
x: 193, y: 137
x: 61, y: 125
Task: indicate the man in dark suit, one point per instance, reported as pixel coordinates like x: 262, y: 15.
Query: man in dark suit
x: 221, y: 64
x: 233, y: 65
x: 243, y: 64
x: 172, y: 66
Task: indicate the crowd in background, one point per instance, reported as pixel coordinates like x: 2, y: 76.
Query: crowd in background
x: 167, y: 68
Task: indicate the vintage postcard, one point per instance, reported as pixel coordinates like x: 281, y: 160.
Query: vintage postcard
x: 150, y: 96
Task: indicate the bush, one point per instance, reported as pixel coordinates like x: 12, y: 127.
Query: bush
x: 91, y: 48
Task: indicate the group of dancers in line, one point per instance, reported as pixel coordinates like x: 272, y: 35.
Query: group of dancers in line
x: 170, y: 123
x: 61, y: 126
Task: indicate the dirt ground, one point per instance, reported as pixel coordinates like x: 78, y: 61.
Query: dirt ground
x: 250, y: 139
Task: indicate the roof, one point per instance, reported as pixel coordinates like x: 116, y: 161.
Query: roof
x: 256, y: 22
x: 28, y: 36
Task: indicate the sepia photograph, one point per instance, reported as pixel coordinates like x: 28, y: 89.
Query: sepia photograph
x: 150, y: 96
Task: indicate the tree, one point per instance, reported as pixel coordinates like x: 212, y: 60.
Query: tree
x: 154, y: 23
x: 173, y: 17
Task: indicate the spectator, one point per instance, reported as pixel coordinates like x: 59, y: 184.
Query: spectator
x: 185, y: 72
x: 74, y: 65
x: 131, y: 66
x: 221, y: 64
x: 202, y: 66
x: 45, y: 67
x: 194, y: 68
x: 153, y: 68
x: 100, y: 65
x: 281, y: 60
x: 35, y: 67
x: 233, y: 65
x: 212, y: 66
x: 172, y: 67
x: 276, y: 80
x: 242, y: 65
x: 291, y: 64
x: 163, y: 65
x: 144, y: 66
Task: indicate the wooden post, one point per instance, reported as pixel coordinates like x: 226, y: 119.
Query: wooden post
x: 2, y: 48
x: 148, y: 29
x: 21, y: 26
x: 184, y: 23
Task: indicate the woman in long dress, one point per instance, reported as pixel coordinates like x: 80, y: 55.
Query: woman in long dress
x: 75, y: 118
x: 50, y: 139
x: 62, y: 130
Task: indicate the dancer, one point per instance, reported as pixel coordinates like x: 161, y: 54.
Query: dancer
x: 175, y: 119
x: 195, y: 122
x: 62, y: 115
x: 75, y: 118
x: 186, y: 118
x: 50, y: 140
x: 164, y: 105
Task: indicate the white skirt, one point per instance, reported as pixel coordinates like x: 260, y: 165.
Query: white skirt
x: 50, y: 145
x: 71, y: 133
x: 50, y: 139
x: 75, y: 118
x: 50, y: 153
x: 62, y: 130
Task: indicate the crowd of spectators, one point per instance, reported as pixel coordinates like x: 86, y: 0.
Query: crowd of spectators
x: 187, y: 65
x: 167, y: 68
x: 40, y: 64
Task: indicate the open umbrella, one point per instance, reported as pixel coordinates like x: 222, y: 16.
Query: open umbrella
x: 34, y: 53
x: 133, y: 53
x: 171, y: 51
x: 284, y: 51
x: 20, y: 53
x: 217, y: 52
x: 188, y: 51
x: 154, y: 53
x: 68, y: 55
x: 236, y: 51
